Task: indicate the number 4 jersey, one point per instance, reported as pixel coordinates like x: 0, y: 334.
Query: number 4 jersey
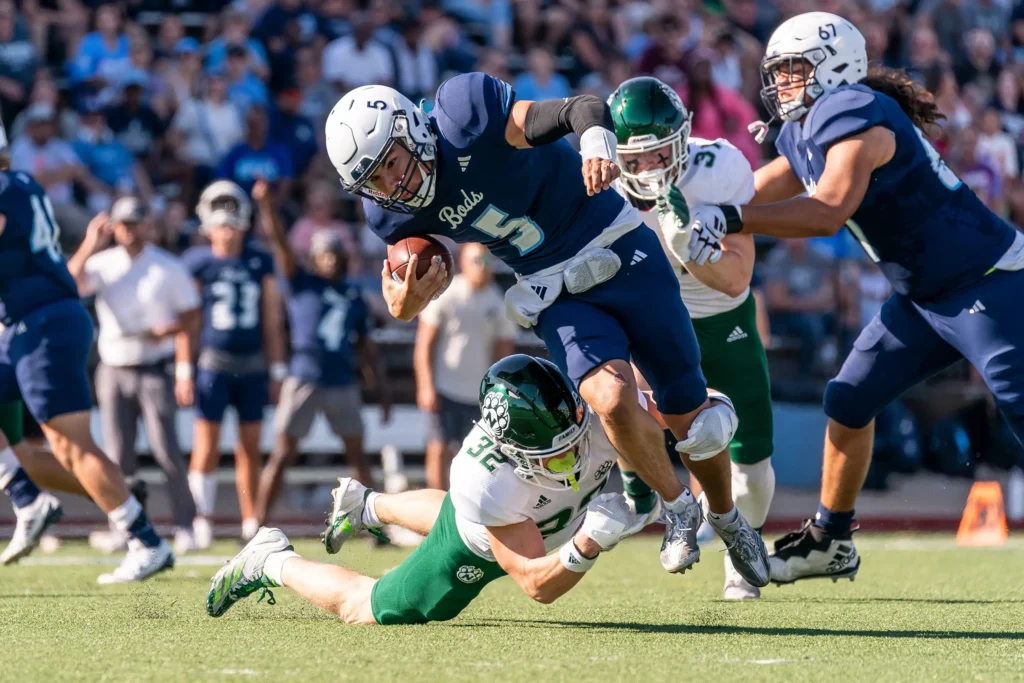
x: 927, y: 231
x: 486, y: 492
x: 32, y: 269
x: 327, y: 321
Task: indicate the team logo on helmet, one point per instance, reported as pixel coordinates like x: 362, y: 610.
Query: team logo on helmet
x: 469, y: 574
x: 496, y: 412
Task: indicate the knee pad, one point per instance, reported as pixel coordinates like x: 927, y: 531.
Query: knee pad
x: 712, y: 429
x: 848, y: 409
x: 753, y: 487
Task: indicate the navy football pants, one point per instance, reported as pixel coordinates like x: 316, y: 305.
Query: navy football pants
x: 638, y: 314
x: 908, y: 342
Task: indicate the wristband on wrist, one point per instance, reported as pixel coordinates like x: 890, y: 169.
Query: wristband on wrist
x: 182, y: 371
x: 573, y: 560
x: 733, y: 218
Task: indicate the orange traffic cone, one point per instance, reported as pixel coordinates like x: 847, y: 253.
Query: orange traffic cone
x: 984, y: 522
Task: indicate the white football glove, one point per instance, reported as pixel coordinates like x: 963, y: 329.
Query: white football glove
x: 707, y: 228
x: 610, y: 519
x: 673, y: 221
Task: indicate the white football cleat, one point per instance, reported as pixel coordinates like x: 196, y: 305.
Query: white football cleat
x: 140, y: 563
x: 243, y: 574
x: 811, y: 553
x: 679, y: 548
x: 202, y: 532
x: 746, y: 548
x: 346, y: 517
x: 736, y: 587
x: 33, y: 521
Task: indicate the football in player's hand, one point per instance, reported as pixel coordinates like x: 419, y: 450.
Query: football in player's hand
x: 425, y: 248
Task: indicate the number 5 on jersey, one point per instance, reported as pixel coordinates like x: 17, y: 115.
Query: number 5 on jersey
x: 527, y: 235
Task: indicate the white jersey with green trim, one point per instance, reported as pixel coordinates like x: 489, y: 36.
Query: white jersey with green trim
x: 718, y: 174
x: 486, y: 492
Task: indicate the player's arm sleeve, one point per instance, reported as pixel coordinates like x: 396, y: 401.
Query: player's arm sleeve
x: 473, y: 106
x: 844, y: 114
x: 550, y: 120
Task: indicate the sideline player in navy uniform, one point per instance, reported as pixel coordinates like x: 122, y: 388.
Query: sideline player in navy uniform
x: 242, y: 330
x: 44, y: 349
x: 329, y: 324
x: 484, y: 167
x: 853, y: 140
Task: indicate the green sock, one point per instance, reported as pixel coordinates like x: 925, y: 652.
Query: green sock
x: 640, y: 492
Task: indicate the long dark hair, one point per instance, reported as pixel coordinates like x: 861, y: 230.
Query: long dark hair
x: 913, y: 98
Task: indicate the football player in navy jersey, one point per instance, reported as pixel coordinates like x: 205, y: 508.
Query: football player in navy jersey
x: 593, y: 282
x: 242, y: 336
x: 44, y: 348
x: 329, y: 323
x: 853, y: 140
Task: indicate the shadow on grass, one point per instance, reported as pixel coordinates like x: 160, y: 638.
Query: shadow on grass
x: 694, y: 629
x: 923, y: 601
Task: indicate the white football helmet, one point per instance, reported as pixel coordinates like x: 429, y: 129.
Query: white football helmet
x: 832, y: 46
x: 224, y: 203
x: 362, y: 129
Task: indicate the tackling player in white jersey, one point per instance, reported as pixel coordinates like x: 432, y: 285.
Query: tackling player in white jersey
x: 663, y: 171
x: 526, y: 482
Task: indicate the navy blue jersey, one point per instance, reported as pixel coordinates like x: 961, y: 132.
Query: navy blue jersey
x: 528, y: 206
x: 32, y: 268
x: 232, y: 290
x: 327, y: 320
x: 927, y: 231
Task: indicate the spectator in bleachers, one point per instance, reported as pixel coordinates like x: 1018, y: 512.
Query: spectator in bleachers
x: 978, y: 172
x: 318, y: 217
x: 170, y: 32
x: 800, y: 295
x: 184, y: 72
x: 204, y: 130
x: 56, y: 27
x: 926, y: 60
x: 133, y: 122
x: 460, y: 335
x: 979, y: 65
x: 317, y: 96
x: 103, y: 54
x: 54, y: 164
x: 716, y: 111
x: 948, y: 99
x: 245, y: 90
x: 144, y: 298
x: 541, y: 82
x: 236, y: 34
x: 293, y: 131
x: 257, y: 157
x: 1009, y: 102
x: 17, y: 62
x: 665, y: 58
x: 996, y: 145
x: 357, y: 58
x: 108, y: 160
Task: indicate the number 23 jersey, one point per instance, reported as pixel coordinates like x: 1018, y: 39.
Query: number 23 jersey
x: 528, y: 206
x: 32, y: 268
x: 485, y: 491
x: 926, y: 230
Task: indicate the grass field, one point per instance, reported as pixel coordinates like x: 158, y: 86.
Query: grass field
x: 921, y: 610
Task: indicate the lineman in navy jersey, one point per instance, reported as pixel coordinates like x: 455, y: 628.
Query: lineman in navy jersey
x: 44, y: 349
x: 329, y: 323
x: 242, y: 330
x: 852, y: 139
x: 483, y: 167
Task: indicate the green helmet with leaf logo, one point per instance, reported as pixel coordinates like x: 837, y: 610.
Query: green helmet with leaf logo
x: 537, y: 419
x: 648, y: 116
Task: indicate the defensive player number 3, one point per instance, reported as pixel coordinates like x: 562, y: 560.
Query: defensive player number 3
x: 526, y: 235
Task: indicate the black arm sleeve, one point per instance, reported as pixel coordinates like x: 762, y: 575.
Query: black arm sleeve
x: 550, y: 120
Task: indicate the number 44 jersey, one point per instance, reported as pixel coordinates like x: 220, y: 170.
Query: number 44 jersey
x: 32, y: 269
x: 486, y: 492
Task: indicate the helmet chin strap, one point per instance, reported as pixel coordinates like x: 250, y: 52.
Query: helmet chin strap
x: 564, y: 464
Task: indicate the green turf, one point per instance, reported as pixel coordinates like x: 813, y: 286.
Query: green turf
x: 919, y: 613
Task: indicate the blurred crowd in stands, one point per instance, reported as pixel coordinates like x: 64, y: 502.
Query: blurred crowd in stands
x: 155, y: 98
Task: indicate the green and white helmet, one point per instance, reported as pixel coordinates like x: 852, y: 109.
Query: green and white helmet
x: 538, y: 421
x: 649, y: 115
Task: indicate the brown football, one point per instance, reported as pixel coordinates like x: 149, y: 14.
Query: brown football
x: 425, y: 248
